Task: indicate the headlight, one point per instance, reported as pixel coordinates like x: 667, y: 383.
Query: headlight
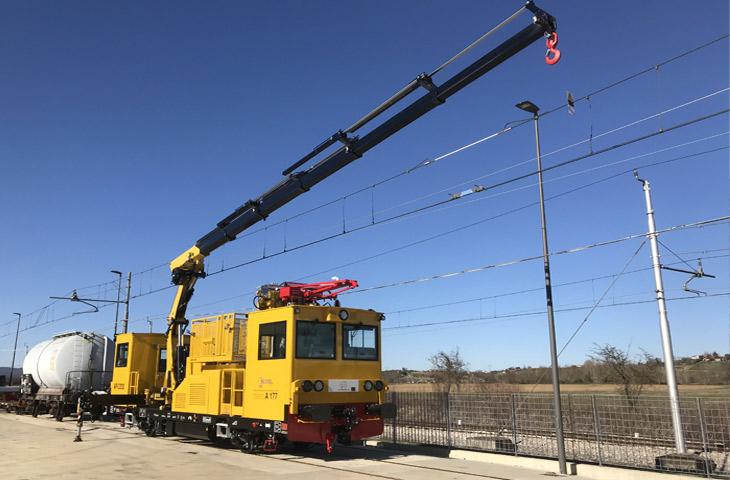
x: 307, y: 385
x: 379, y: 385
x: 344, y: 315
x: 367, y: 385
x: 319, y: 385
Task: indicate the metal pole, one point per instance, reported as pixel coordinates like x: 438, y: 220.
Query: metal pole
x: 119, y: 293
x: 551, y: 319
x: 79, y: 420
x: 597, y: 427
x: 448, y: 419
x: 126, y: 303
x: 664, y: 324
x: 513, y: 409
x: 15, y: 347
x: 703, y: 431
x: 395, y: 425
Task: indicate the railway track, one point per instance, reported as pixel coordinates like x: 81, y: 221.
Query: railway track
x: 375, y: 456
x: 370, y: 460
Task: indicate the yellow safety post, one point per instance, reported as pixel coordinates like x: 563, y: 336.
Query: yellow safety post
x: 79, y: 421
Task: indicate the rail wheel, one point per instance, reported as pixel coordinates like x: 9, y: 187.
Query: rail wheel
x: 243, y: 441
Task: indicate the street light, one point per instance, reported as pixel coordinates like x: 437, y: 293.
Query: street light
x: 119, y: 292
x: 12, y: 364
x: 533, y: 109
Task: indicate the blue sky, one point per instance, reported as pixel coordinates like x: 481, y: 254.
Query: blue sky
x: 129, y: 129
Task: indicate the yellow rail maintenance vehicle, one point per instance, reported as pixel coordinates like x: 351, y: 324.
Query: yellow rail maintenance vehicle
x: 140, y: 363
x: 293, y: 370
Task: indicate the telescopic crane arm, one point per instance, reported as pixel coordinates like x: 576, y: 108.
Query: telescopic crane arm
x: 188, y: 267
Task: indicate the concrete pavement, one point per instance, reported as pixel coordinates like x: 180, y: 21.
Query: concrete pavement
x: 38, y: 448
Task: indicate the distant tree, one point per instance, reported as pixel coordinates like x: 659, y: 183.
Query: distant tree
x: 449, y: 370
x: 392, y: 376
x: 632, y: 377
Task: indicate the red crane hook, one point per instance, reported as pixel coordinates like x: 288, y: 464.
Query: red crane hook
x: 551, y: 42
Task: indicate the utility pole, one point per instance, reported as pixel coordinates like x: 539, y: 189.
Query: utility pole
x: 126, y: 303
x: 15, y: 347
x: 119, y: 292
x: 664, y: 323
x: 559, y: 436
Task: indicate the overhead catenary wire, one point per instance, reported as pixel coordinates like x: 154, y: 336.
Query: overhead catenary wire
x: 213, y: 313
x: 238, y: 296
x: 460, y: 149
x: 598, y: 91
x: 251, y: 293
x: 390, y: 331
x: 480, y: 191
x: 482, y: 221
x: 521, y: 177
x: 638, y: 74
x: 494, y: 217
x: 584, y: 171
x: 522, y: 292
x: 587, y: 97
x: 528, y: 259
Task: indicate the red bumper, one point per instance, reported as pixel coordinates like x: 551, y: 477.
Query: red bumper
x: 305, y: 430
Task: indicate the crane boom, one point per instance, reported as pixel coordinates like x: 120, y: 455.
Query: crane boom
x: 188, y: 267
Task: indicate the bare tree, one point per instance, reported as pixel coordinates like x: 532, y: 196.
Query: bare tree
x: 449, y: 369
x: 631, y: 376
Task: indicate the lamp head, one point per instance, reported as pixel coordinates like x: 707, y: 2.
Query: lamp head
x: 528, y: 106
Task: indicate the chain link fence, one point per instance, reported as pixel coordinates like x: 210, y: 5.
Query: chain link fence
x: 601, y: 429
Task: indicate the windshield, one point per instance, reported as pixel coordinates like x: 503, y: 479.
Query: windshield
x: 315, y: 340
x: 359, y: 342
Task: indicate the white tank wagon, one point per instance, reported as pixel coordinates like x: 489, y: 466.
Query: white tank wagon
x: 57, y: 372
x: 74, y: 360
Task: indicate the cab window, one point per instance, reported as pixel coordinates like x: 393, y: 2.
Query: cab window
x: 122, y: 354
x: 315, y: 340
x: 272, y: 340
x: 359, y: 342
x: 162, y: 360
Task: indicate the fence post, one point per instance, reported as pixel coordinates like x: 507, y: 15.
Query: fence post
x: 597, y: 428
x: 703, y: 432
x: 514, y: 421
x: 395, y: 396
x: 448, y: 419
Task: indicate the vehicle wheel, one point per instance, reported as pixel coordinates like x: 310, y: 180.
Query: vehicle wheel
x: 244, y: 442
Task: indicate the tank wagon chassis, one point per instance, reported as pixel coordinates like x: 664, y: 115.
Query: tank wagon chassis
x: 58, y: 403
x: 57, y: 373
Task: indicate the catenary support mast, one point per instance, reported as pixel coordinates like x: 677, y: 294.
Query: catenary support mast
x: 664, y: 324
